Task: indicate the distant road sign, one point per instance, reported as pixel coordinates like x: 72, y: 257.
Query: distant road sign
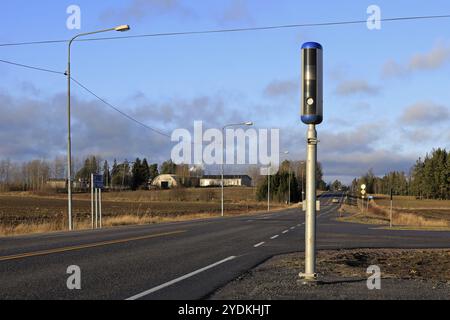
x: 370, y: 197
x: 98, y: 181
x: 363, y: 187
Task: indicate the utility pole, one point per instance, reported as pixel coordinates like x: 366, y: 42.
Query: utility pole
x: 312, y: 115
x: 248, y: 123
x: 268, y: 187
x: 68, y: 73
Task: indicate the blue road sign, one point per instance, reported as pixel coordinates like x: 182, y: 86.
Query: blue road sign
x: 98, y: 181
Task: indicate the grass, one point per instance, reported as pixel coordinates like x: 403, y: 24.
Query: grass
x: 24, y: 213
x: 415, y: 218
x: 410, y: 202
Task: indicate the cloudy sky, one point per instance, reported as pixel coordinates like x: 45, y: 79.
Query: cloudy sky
x: 386, y: 100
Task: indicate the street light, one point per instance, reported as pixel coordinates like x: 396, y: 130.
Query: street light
x: 120, y: 28
x: 289, y: 171
x: 248, y: 123
x: 302, y: 175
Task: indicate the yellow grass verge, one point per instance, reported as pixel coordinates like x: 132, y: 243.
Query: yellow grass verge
x: 379, y: 215
x: 115, y: 221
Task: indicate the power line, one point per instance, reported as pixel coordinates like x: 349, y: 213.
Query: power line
x: 120, y: 111
x: 89, y: 91
x: 31, y: 67
x: 213, y: 31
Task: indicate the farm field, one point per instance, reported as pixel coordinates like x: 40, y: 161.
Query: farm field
x: 407, y: 212
x: 28, y: 213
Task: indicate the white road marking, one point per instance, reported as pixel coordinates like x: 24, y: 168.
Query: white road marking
x: 285, y: 231
x: 167, y: 284
x: 274, y: 237
x: 292, y: 228
x: 259, y: 244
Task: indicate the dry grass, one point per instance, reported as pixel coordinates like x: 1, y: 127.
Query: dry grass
x: 409, y: 202
x: 381, y: 216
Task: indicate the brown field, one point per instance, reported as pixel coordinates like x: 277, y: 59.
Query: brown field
x: 22, y: 213
x: 409, y: 202
x: 407, y: 212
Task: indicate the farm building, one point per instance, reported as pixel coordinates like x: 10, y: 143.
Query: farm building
x: 56, y: 184
x: 166, y: 181
x: 228, y: 181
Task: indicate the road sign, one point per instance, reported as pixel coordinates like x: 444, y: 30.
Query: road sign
x: 98, y: 181
x: 363, y: 187
x: 370, y: 197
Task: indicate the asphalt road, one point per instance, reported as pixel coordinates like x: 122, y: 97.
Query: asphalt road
x: 185, y: 260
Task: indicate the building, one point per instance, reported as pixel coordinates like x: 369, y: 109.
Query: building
x: 166, y: 181
x: 56, y: 184
x: 228, y: 181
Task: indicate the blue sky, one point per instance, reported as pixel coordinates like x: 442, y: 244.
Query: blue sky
x: 386, y: 98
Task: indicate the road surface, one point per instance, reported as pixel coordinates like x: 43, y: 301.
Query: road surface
x: 184, y: 260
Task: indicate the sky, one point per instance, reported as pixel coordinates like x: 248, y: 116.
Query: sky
x: 386, y: 92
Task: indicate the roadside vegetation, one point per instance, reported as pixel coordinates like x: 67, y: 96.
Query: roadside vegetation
x: 408, y: 212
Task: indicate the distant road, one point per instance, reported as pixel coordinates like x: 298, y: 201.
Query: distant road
x: 184, y: 260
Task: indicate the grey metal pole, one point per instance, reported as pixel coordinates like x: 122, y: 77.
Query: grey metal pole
x: 96, y: 208
x: 310, y: 225
x: 69, y: 138
x: 69, y: 144
x: 268, y: 187
x: 390, y: 215
x: 289, y: 200
x: 100, y: 206
x: 222, y: 169
x: 92, y: 200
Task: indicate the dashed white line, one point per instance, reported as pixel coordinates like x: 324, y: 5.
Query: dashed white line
x: 285, y: 231
x: 259, y: 244
x: 167, y: 284
x: 292, y: 228
x: 274, y: 237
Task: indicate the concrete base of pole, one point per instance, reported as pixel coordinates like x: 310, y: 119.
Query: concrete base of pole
x: 308, y: 279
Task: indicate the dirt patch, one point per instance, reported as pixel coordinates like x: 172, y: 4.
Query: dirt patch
x: 405, y: 274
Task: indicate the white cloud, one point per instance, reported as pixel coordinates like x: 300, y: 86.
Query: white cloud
x: 425, y: 113
x: 137, y: 10
x: 438, y: 56
x: 282, y: 88
x: 352, y: 87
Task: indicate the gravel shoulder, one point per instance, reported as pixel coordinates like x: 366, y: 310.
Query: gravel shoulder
x: 405, y: 275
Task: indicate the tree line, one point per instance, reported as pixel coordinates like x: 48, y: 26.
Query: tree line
x: 291, y: 173
x: 34, y: 175
x: 427, y: 179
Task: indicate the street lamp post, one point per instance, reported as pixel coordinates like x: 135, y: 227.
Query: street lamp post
x: 248, y: 123
x: 121, y: 28
x: 302, y: 176
x: 289, y: 181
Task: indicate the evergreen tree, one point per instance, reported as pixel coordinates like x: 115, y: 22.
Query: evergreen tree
x: 106, y: 174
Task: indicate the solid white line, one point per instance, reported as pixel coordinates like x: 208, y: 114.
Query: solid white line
x: 274, y: 237
x: 167, y: 284
x: 285, y: 231
x: 259, y: 244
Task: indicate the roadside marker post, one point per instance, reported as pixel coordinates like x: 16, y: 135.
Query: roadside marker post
x: 96, y: 200
x: 311, y: 115
x: 392, y: 203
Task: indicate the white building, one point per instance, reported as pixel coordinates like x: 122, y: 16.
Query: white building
x: 228, y: 181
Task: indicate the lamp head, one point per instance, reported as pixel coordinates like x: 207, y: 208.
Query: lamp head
x: 122, y: 28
